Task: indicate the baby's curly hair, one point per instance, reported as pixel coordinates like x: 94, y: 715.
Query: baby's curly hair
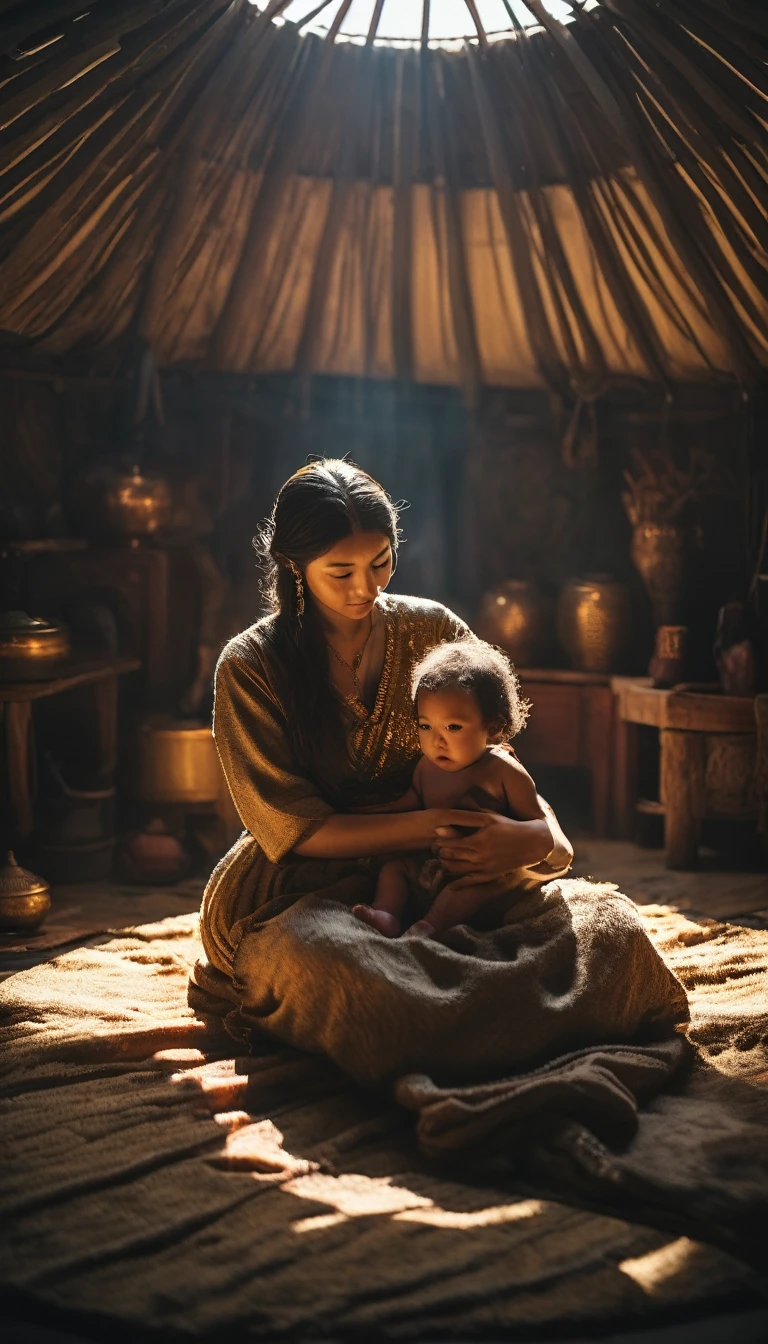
x: 486, y: 672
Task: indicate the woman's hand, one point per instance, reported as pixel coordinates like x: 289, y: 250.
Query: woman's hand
x: 497, y: 844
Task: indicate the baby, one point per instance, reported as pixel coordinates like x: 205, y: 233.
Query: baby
x: 468, y: 702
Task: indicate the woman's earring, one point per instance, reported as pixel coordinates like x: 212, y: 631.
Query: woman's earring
x: 299, y: 589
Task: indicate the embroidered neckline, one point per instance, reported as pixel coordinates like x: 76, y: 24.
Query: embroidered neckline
x: 361, y: 711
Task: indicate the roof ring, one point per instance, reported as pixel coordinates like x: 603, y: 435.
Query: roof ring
x: 411, y: 22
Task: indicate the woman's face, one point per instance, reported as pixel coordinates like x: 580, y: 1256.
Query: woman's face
x: 347, y: 580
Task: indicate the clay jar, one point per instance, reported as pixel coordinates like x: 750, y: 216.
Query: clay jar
x: 594, y: 623
x: 517, y: 617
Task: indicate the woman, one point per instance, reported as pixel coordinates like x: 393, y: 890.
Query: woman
x: 312, y: 718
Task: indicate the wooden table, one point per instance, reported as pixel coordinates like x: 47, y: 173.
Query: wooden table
x: 708, y: 746
x: 571, y: 724
x: 16, y: 700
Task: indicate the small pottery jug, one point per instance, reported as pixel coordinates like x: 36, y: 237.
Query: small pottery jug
x: 518, y: 617
x: 24, y: 898
x: 594, y: 622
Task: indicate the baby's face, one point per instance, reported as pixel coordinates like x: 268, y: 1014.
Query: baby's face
x: 451, y: 728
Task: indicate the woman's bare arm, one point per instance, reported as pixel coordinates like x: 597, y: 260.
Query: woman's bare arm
x: 410, y: 802
x: 358, y: 837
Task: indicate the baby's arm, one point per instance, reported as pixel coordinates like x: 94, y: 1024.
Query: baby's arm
x: 525, y: 804
x: 519, y: 790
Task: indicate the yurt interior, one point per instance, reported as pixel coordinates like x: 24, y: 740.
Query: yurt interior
x: 490, y: 278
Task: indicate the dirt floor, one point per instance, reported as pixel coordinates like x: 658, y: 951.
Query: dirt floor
x: 712, y: 891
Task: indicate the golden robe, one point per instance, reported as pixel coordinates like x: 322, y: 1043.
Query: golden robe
x: 566, y: 982
x: 278, y: 805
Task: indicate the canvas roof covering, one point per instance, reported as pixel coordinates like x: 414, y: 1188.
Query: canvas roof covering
x: 576, y: 202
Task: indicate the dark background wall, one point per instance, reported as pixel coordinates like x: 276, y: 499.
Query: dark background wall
x: 490, y: 493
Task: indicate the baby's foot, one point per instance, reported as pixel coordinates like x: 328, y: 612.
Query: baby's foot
x: 423, y: 929
x: 380, y: 920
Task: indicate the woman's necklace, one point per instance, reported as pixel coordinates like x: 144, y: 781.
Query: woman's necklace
x: 354, y: 667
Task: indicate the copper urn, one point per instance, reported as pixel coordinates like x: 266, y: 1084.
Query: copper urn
x: 517, y: 617
x: 594, y: 623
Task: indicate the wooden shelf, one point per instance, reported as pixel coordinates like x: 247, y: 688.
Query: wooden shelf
x: 79, y: 672
x: 564, y: 676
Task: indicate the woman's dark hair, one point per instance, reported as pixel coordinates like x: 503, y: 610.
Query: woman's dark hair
x: 319, y: 506
x: 485, y: 672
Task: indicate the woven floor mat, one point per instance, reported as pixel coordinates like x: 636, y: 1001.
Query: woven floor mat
x: 157, y: 1181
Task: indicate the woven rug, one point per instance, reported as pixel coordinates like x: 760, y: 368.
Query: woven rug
x: 155, y: 1181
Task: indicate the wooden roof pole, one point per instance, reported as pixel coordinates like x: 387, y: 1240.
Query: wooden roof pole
x: 406, y: 131
x: 341, y: 15
x: 273, y: 10
x: 375, y: 21
x: 472, y: 7
x: 185, y: 186
x: 445, y: 191
x: 313, y: 13
x: 281, y: 163
x: 309, y: 344
x: 620, y: 106
x: 425, y: 24
x: 543, y: 344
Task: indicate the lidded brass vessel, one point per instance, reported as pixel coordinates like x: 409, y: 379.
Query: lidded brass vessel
x: 31, y: 648
x: 24, y: 898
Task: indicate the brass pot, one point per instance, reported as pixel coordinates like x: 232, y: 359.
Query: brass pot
x: 658, y: 553
x: 518, y: 617
x: 122, y: 505
x: 594, y: 622
x: 24, y: 898
x: 178, y: 762
x: 31, y: 648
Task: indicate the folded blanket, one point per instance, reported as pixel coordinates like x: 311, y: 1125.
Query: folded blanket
x: 566, y: 1010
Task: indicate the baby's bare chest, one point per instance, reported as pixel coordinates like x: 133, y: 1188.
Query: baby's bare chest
x: 445, y: 788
